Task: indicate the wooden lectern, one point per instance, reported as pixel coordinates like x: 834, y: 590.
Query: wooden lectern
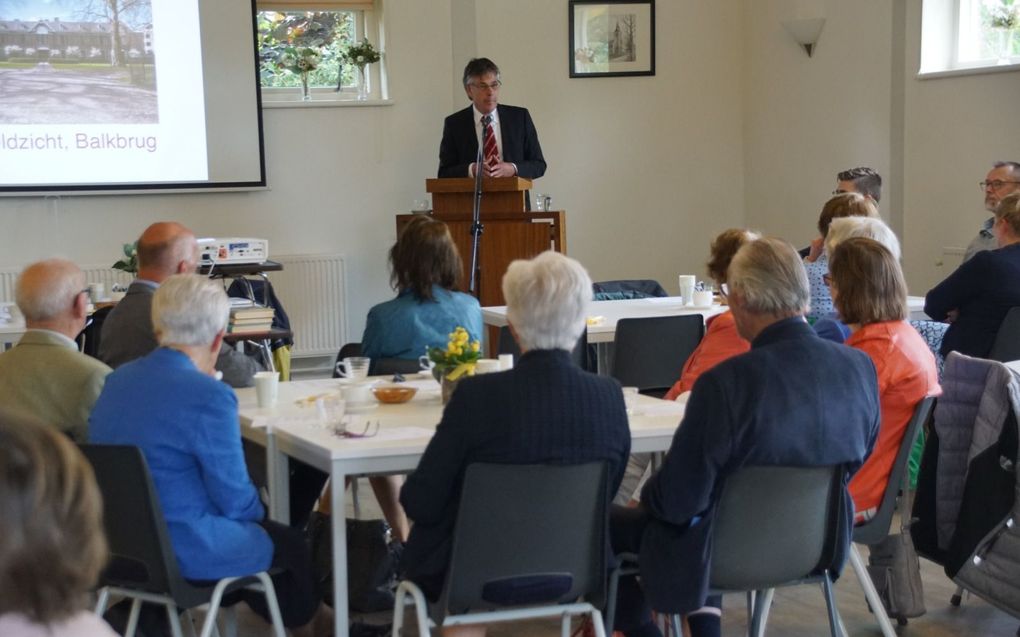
x: 510, y: 232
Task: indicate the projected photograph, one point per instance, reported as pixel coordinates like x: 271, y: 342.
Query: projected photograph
x: 77, y: 62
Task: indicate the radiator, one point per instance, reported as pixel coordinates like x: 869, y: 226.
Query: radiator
x: 311, y: 287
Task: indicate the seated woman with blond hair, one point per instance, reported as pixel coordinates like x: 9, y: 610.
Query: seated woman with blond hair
x: 721, y: 339
x: 52, y: 546
x: 870, y: 294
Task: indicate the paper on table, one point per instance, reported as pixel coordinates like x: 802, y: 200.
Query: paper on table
x: 659, y: 408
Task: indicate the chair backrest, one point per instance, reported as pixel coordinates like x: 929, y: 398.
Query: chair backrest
x: 1007, y: 341
x: 627, y: 289
x: 775, y: 525
x: 876, y: 529
x: 650, y: 353
x: 507, y: 345
x: 141, y: 556
x: 528, y: 534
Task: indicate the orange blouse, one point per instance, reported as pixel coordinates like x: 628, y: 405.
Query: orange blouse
x: 721, y: 341
x: 906, y: 374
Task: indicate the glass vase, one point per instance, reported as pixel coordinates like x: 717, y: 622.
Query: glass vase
x: 306, y: 93
x: 361, y: 77
x: 1004, y: 45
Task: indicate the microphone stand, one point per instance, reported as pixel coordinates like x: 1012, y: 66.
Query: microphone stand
x: 476, y: 223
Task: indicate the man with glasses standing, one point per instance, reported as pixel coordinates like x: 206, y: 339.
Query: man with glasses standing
x: 1003, y: 179
x: 505, y: 133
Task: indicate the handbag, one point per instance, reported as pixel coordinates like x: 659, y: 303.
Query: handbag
x: 372, y: 562
x: 896, y: 573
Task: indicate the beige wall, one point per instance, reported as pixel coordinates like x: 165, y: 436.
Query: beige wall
x: 737, y: 126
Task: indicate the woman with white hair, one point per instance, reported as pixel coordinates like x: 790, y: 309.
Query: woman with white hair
x: 545, y: 410
x: 170, y: 405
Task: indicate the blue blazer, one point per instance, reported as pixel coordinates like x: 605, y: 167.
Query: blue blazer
x: 405, y: 327
x: 186, y: 424
x: 982, y: 289
x: 545, y: 410
x: 459, y: 147
x: 765, y: 407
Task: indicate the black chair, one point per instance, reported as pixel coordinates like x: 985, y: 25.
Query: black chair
x: 1007, y: 341
x: 507, y: 345
x: 627, y: 289
x: 379, y: 366
x: 774, y: 526
x: 529, y: 541
x: 650, y: 352
x: 143, y: 566
x: 876, y: 529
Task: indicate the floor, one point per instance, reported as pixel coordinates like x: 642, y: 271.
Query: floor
x: 796, y: 612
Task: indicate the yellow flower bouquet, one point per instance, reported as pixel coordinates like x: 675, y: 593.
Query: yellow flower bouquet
x: 458, y: 358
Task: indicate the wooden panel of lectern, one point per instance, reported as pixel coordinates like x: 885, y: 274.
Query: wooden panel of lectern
x: 509, y: 232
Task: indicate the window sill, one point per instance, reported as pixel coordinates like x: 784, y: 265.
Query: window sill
x: 322, y: 102
x: 970, y: 70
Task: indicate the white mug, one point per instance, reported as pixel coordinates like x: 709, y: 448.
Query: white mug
x: 487, y: 366
x: 506, y: 361
x: 357, y: 393
x: 703, y: 298
x: 354, y: 367
x: 425, y: 363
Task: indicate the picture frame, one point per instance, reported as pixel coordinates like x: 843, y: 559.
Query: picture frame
x: 611, y: 38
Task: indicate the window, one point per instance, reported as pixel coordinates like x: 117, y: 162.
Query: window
x: 961, y: 35
x: 303, y: 42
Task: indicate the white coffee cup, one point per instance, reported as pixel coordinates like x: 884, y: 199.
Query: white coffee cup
x: 506, y: 361
x: 357, y: 393
x: 487, y: 366
x: 703, y: 298
x: 267, y: 388
x: 354, y: 367
x: 425, y: 363
x: 97, y: 292
x: 687, y: 283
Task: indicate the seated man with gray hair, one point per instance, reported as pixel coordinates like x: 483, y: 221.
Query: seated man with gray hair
x: 764, y: 407
x: 45, y: 376
x: 545, y: 410
x: 169, y: 404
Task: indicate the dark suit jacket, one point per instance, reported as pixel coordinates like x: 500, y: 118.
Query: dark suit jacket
x: 128, y: 334
x: 983, y: 289
x: 459, y: 147
x: 545, y: 410
x: 796, y: 400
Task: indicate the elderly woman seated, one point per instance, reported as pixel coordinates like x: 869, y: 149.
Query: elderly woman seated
x: 185, y: 421
x: 847, y: 204
x: 544, y: 410
x: 870, y: 294
x: 51, y: 533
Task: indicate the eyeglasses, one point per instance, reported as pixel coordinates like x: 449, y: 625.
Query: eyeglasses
x: 995, y: 184
x: 483, y: 86
x: 840, y: 192
x: 827, y: 278
x: 724, y: 290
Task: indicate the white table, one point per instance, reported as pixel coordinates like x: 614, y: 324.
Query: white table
x: 916, y: 306
x: 289, y: 431
x: 604, y: 331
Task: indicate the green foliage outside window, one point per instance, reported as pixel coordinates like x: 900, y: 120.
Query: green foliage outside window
x: 328, y: 32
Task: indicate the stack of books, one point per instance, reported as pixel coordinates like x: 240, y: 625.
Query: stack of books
x: 249, y: 317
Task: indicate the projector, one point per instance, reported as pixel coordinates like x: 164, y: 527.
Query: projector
x: 232, y: 250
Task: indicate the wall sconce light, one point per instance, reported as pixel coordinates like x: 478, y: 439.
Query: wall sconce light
x: 805, y: 31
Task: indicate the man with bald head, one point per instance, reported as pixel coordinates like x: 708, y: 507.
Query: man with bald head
x: 45, y: 375
x: 164, y: 249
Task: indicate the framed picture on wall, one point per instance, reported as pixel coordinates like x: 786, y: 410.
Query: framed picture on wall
x: 612, y: 39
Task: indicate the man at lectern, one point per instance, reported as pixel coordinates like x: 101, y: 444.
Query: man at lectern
x: 506, y: 134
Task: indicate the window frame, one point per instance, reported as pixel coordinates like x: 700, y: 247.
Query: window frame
x: 366, y: 22
x: 943, y: 31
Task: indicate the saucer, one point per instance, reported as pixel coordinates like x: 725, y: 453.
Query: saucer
x: 360, y: 408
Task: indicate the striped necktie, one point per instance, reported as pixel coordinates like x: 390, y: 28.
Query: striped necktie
x: 490, y: 150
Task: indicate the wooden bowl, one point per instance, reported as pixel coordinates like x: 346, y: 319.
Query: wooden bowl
x: 393, y: 394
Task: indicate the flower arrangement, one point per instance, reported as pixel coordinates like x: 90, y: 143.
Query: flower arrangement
x: 458, y: 358
x: 1002, y: 15
x: 361, y: 54
x: 129, y: 263
x: 299, y: 59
